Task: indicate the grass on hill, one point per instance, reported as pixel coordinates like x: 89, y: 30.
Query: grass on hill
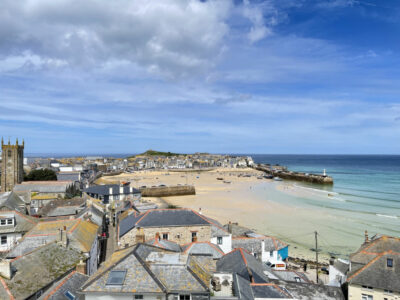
x: 157, y: 153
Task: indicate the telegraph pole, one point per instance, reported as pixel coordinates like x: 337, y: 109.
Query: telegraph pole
x: 316, y: 253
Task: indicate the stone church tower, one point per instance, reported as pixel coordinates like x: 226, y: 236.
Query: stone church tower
x: 12, y: 165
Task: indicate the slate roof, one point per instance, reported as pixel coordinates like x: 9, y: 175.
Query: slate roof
x: 341, y: 266
x: 105, y: 190
x: 43, y: 186
x: 23, y: 223
x: 93, y: 214
x: 369, y: 264
x: 165, y: 244
x: 310, y: 291
x: 239, y: 261
x: 291, y: 276
x: 253, y: 244
x: 203, y: 248
x: 166, y: 218
x: 149, y: 269
x: 37, y: 269
x: 11, y: 201
x: 71, y: 283
x: 81, y: 235
x: 63, y: 203
x: 68, y: 176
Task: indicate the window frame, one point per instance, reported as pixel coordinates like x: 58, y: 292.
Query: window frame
x: 219, y: 240
x: 165, y: 234
x: 389, y: 265
x: 1, y: 240
x: 108, y: 283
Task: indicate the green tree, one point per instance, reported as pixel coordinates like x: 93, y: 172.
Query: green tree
x: 72, y: 191
x: 41, y: 175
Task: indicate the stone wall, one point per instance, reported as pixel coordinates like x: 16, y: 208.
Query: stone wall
x: 180, y: 235
x: 165, y: 191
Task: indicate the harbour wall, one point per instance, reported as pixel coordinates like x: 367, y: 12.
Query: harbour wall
x: 165, y: 191
x: 297, y: 176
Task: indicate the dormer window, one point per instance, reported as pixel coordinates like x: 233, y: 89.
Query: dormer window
x: 6, y: 221
x: 389, y: 262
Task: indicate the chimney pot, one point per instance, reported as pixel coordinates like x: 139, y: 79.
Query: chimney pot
x: 366, y: 236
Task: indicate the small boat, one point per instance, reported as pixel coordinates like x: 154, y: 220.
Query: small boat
x: 278, y: 179
x: 225, y: 181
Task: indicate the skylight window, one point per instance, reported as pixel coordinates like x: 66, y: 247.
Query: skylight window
x: 69, y: 295
x: 116, y: 277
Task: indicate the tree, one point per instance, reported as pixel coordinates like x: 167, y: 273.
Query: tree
x: 41, y: 175
x: 72, y: 191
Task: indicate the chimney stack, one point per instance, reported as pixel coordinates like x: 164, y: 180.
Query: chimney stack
x: 230, y: 227
x: 81, y: 267
x: 366, y: 237
x: 200, y: 211
x: 5, y: 268
x: 63, y: 240
x: 140, y: 235
x: 157, y: 236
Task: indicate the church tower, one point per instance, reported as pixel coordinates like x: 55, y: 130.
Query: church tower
x: 12, y: 165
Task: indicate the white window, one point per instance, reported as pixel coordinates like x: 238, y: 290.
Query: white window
x: 4, y: 240
x: 10, y: 221
x: 165, y: 236
x: 271, y: 253
x: 366, y: 297
x: 3, y: 222
x: 219, y: 240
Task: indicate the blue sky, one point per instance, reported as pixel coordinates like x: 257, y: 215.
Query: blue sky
x: 277, y: 76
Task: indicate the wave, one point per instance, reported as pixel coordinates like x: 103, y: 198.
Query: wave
x: 370, y: 197
x: 316, y: 190
x: 369, y: 191
x: 387, y: 216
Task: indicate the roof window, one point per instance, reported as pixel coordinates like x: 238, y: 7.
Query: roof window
x: 116, y: 277
x: 69, y: 295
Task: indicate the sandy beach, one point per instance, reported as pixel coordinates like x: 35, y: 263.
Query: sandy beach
x: 266, y: 206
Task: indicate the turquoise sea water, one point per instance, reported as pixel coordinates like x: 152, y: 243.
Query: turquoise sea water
x: 365, y: 194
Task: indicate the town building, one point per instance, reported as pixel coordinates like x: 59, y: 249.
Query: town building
x: 12, y: 165
x: 264, y: 248
x: 30, y: 275
x: 13, y: 226
x: 375, y: 269
x: 149, y: 273
x: 182, y: 226
x: 78, y: 234
x: 110, y: 192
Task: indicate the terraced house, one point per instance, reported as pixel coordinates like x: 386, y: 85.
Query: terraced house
x: 149, y: 273
x: 181, y: 226
x: 76, y: 234
x: 375, y: 270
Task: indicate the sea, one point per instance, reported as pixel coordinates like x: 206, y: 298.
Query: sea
x: 365, y: 193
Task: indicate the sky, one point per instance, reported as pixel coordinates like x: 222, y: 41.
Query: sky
x: 225, y: 76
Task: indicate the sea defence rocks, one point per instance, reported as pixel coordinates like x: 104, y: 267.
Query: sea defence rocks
x: 165, y: 191
x: 298, y: 176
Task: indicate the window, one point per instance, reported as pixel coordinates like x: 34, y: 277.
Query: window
x: 165, y: 236
x: 138, y: 297
x: 271, y: 253
x: 9, y: 153
x: 9, y: 221
x: 219, y: 240
x: 116, y: 277
x: 366, y: 297
x: 389, y: 262
x: 297, y: 279
x: 4, y: 240
x: 194, y: 236
x: 69, y: 295
x: 3, y: 222
x: 184, y: 297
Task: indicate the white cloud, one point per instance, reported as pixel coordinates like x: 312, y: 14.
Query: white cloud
x: 255, y: 14
x: 174, y: 38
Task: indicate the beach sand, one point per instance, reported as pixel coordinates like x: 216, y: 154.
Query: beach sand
x: 255, y: 203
